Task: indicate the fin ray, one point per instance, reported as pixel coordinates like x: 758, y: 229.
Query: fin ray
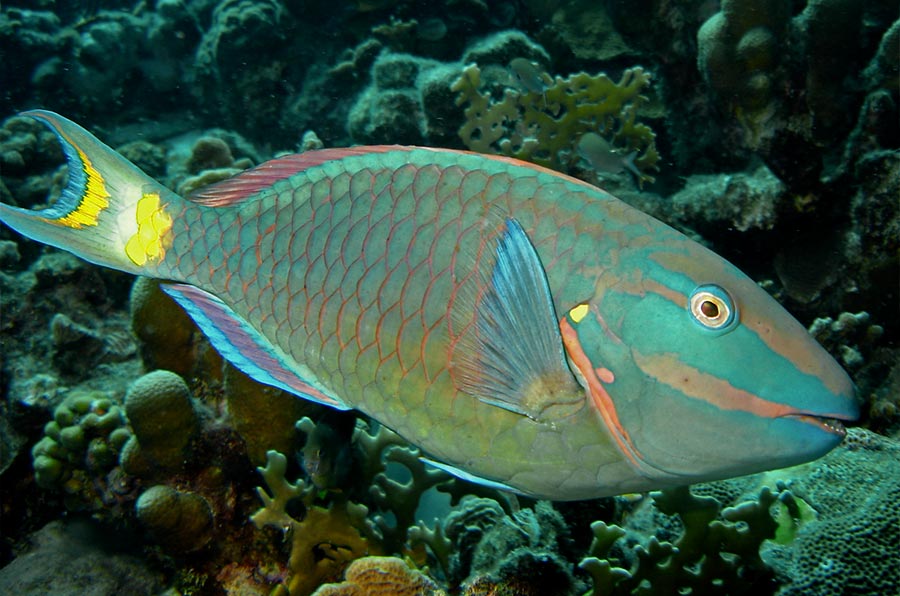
x: 249, y: 182
x: 96, y: 215
x: 514, y: 358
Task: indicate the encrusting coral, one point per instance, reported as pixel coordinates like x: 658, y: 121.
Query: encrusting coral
x: 544, y: 127
x: 848, y: 545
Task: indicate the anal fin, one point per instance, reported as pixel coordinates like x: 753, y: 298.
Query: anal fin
x: 468, y: 476
x: 243, y: 346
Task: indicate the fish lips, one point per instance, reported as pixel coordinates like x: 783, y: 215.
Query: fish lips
x: 830, y: 424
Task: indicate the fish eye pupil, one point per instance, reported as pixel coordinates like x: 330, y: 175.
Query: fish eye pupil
x: 712, y: 307
x: 709, y: 309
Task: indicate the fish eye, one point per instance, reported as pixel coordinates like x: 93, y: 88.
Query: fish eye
x: 712, y: 307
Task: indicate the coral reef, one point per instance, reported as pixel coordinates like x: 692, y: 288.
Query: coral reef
x: 240, y: 28
x: 181, y: 521
x: 80, y: 450
x: 849, y: 547
x: 391, y: 107
x: 249, y: 405
x: 371, y: 514
x: 742, y: 201
x: 738, y: 52
x: 323, y: 541
x: 545, y: 127
x: 779, y: 126
x: 717, y: 550
x: 80, y: 556
x: 524, y: 550
x: 167, y: 337
x: 377, y: 576
x: 161, y: 412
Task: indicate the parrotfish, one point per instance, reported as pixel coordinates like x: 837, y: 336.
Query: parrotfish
x: 523, y: 328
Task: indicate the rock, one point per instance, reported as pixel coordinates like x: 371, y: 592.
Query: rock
x: 80, y: 557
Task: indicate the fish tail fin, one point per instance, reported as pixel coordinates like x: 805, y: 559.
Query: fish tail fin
x: 109, y: 213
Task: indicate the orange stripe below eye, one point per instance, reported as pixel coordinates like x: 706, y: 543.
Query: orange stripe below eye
x: 602, y: 401
x: 669, y: 370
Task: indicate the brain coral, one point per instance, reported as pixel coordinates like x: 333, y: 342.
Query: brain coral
x: 162, y: 414
x: 851, y: 548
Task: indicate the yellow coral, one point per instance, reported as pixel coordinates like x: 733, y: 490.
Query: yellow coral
x: 543, y: 128
x: 381, y: 576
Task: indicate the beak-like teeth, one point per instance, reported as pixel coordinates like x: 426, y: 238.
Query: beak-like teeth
x: 832, y: 425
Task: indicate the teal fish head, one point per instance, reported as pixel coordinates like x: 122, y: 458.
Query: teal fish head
x: 698, y: 374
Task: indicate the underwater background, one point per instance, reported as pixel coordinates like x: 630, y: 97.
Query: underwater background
x: 767, y: 130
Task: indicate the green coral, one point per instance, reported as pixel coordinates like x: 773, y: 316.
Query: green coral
x: 334, y: 520
x: 716, y: 553
x: 80, y: 448
x: 250, y: 406
x: 849, y: 546
x: 544, y: 128
x: 167, y: 337
x: 323, y: 540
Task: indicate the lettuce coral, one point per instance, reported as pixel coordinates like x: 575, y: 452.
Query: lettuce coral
x: 545, y: 127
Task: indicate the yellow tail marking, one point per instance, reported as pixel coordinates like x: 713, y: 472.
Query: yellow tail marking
x: 149, y: 243
x: 94, y: 200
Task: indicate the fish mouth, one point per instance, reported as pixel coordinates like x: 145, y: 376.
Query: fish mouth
x: 829, y: 424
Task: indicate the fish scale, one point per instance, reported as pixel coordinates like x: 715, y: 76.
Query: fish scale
x: 376, y: 302
x: 526, y: 330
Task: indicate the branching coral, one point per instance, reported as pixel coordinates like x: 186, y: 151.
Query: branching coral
x: 340, y: 521
x: 323, y: 540
x: 711, y: 556
x: 545, y: 127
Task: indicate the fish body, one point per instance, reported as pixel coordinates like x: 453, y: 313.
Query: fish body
x: 524, y: 329
x: 600, y: 155
x: 530, y: 77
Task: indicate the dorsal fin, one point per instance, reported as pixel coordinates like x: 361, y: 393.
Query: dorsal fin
x: 249, y: 182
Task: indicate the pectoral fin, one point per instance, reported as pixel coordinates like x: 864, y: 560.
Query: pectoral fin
x: 513, y: 356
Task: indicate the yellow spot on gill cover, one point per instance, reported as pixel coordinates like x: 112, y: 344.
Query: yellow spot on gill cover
x: 153, y: 223
x: 579, y: 312
x: 94, y: 200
